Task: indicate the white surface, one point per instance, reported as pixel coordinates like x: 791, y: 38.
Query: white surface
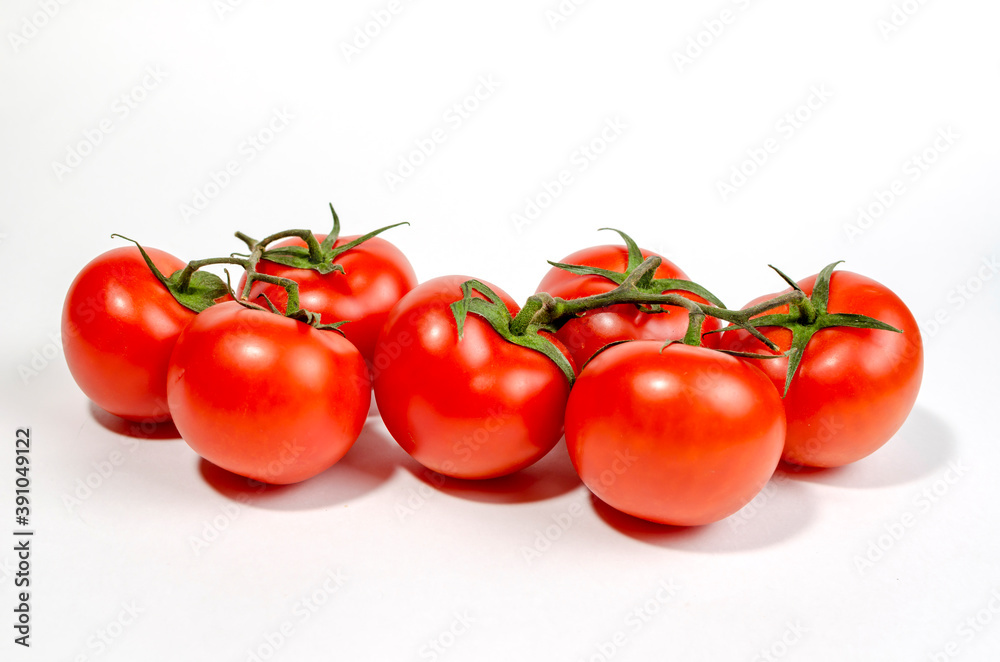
x: 739, y: 589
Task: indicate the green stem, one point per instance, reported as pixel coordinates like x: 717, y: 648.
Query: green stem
x: 291, y: 288
x: 315, y: 250
x: 195, y: 265
x: 246, y: 239
x: 519, y: 325
x: 795, y: 296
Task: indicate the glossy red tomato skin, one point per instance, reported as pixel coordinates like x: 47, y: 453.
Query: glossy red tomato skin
x: 686, y: 436
x: 377, y: 275
x: 119, y: 325
x: 854, y: 387
x: 597, y: 328
x: 265, y: 396
x: 476, y: 408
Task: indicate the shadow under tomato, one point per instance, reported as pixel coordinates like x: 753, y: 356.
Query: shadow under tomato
x: 780, y: 512
x: 369, y: 464
x: 922, y: 446
x: 550, y: 477
x: 152, y: 429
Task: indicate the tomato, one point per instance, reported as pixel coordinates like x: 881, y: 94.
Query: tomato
x: 377, y: 275
x: 265, y: 396
x: 854, y: 387
x: 682, y: 436
x: 479, y: 407
x: 119, y: 325
x: 595, y: 329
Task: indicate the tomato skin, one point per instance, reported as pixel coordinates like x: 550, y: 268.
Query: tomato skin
x: 587, y: 334
x: 476, y: 408
x: 265, y: 396
x: 854, y: 387
x: 119, y: 325
x: 686, y: 436
x: 377, y: 275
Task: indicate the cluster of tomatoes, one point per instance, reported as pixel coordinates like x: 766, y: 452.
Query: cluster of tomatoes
x: 669, y: 415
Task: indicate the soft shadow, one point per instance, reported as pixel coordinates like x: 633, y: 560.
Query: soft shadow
x: 922, y: 446
x: 781, y: 511
x: 550, y: 477
x: 152, y: 429
x: 370, y: 463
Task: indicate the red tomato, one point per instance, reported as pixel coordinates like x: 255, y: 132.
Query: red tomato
x: 682, y: 436
x: 585, y: 335
x: 119, y: 325
x: 854, y: 387
x: 265, y: 396
x: 377, y: 275
x: 479, y: 407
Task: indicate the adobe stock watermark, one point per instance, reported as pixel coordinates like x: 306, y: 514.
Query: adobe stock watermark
x: 899, y: 16
x: 785, y: 129
x: 637, y: 618
x: 561, y: 12
x: 581, y: 159
x: 827, y: 429
x: 781, y: 646
x: 453, y: 119
x: 229, y: 513
x: 440, y: 644
x: 121, y: 107
x: 6, y: 569
x: 41, y: 357
x: 252, y: 146
x: 465, y: 447
x: 960, y: 296
x: 417, y: 497
x: 365, y: 34
x: 102, y: 471
x: 566, y: 519
x: 971, y: 627
x: 710, y: 31
x: 32, y: 25
x: 307, y: 606
x: 913, y: 168
x: 758, y: 504
x: 923, y: 503
x: 224, y: 8
x: 104, y: 638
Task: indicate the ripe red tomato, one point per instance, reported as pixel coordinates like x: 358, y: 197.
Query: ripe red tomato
x: 682, y: 436
x: 119, y: 325
x: 479, y: 407
x: 585, y: 335
x: 265, y: 396
x: 377, y: 275
x: 854, y: 387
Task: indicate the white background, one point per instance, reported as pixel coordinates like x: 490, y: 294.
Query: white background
x: 782, y: 577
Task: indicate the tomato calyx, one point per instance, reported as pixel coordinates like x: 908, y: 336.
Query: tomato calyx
x: 193, y: 289
x: 647, y: 284
x: 806, y: 315
x: 316, y: 255
x: 494, y: 311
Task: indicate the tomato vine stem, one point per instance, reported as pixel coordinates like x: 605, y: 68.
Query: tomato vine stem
x: 542, y: 311
x: 197, y: 290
